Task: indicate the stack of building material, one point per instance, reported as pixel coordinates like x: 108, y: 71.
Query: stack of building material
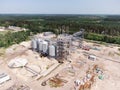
x: 4, y: 77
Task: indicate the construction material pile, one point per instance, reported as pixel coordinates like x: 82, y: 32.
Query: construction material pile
x: 57, y: 82
x: 99, y: 72
x: 89, y: 79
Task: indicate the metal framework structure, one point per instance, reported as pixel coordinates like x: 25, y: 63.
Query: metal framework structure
x: 79, y: 36
x: 63, y: 44
x: 62, y: 49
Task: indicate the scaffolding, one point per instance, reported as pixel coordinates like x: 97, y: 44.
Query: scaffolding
x: 63, y: 46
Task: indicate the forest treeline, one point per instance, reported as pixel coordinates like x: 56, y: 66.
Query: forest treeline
x: 11, y: 38
x: 100, y: 28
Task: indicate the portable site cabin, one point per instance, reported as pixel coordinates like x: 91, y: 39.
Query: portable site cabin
x: 92, y: 57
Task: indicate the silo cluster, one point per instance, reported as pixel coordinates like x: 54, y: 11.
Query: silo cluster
x: 58, y: 48
x: 44, y: 47
x: 34, y: 44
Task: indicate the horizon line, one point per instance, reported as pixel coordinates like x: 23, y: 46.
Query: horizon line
x: 50, y: 14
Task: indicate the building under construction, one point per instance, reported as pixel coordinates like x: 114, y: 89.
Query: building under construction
x: 58, y: 48
x: 63, y: 47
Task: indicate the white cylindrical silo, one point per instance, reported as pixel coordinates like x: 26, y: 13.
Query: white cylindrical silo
x: 40, y: 46
x: 45, y: 47
x: 38, y: 41
x: 52, y: 51
x: 34, y: 44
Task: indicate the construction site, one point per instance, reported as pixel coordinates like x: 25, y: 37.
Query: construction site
x: 63, y: 62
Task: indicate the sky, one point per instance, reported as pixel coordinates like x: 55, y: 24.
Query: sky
x: 60, y: 7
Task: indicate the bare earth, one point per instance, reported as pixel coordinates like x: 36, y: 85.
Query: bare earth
x: 108, y: 59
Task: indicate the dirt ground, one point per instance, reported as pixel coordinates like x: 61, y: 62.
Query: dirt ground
x: 107, y: 58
